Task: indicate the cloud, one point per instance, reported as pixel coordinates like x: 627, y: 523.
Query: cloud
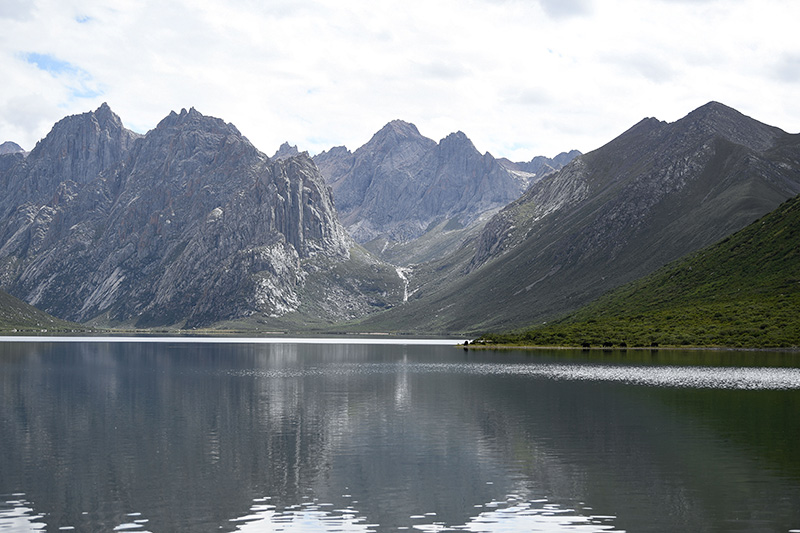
x: 442, y: 70
x: 23, y: 114
x: 653, y: 66
x: 321, y: 74
x: 787, y: 68
x: 528, y: 96
x: 16, y: 9
x: 562, y: 9
x: 79, y: 82
x: 51, y: 64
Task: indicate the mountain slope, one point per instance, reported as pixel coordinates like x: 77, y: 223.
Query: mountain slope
x: 190, y: 225
x: 652, y: 195
x: 742, y: 291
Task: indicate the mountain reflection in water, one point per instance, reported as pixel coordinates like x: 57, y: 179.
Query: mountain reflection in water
x: 182, y: 436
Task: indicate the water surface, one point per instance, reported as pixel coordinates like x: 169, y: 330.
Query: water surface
x: 179, y: 435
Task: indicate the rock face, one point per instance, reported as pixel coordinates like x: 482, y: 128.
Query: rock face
x: 400, y: 183
x: 189, y: 224
x: 656, y: 193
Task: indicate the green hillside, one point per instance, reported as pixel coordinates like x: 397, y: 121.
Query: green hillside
x: 18, y: 317
x: 742, y: 292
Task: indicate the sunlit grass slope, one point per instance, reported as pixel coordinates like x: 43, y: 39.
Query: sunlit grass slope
x: 742, y: 292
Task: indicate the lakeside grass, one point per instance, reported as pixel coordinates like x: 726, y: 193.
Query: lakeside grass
x: 743, y: 292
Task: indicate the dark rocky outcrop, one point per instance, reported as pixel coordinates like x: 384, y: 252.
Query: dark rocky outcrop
x: 189, y: 224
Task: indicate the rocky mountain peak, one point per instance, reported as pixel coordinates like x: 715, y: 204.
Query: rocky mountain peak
x: 106, y: 118
x: 394, y: 133
x: 285, y: 151
x: 457, y: 141
x: 84, y: 128
x: 716, y: 119
x: 76, y: 150
x: 564, y: 158
x: 9, y: 147
x: 193, y: 119
x: 401, y: 127
x: 336, y: 151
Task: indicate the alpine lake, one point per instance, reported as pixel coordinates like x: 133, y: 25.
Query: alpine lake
x: 319, y: 435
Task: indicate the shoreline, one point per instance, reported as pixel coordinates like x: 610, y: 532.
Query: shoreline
x: 479, y: 346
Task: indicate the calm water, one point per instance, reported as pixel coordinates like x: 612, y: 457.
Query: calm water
x: 184, y: 436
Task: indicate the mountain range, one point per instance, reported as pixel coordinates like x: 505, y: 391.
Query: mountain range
x: 191, y: 226
x: 188, y: 225
x: 401, y: 185
x: 655, y: 193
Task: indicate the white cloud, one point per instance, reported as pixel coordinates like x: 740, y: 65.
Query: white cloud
x: 15, y: 9
x: 519, y: 78
x: 560, y: 9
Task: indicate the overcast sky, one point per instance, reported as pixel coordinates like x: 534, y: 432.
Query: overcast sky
x: 520, y: 77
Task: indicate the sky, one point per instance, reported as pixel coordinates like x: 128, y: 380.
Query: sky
x: 520, y: 78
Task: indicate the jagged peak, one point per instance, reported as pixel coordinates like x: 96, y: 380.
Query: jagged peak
x: 286, y: 150
x: 195, y: 119
x: 106, y: 117
x: 336, y: 150
x: 457, y: 137
x: 457, y: 140
x: 103, y: 117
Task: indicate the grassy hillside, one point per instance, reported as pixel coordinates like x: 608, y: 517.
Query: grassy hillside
x: 742, y: 292
x: 18, y: 317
